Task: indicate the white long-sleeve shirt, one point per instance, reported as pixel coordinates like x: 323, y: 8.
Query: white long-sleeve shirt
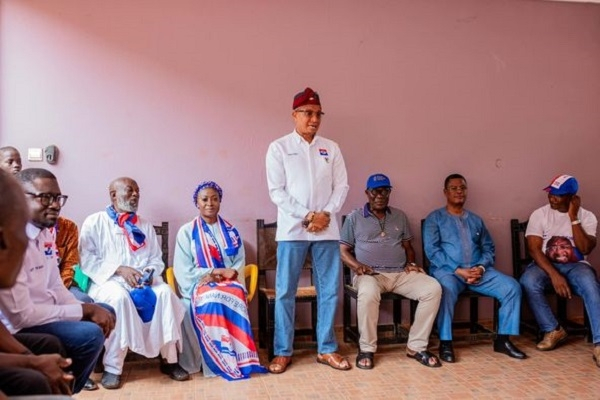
x: 39, y: 295
x: 304, y: 177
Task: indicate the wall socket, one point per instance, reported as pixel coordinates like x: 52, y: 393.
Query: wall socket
x: 35, y: 154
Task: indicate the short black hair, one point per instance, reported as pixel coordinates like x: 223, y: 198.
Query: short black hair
x: 11, y: 148
x: 453, y: 176
x: 29, y: 175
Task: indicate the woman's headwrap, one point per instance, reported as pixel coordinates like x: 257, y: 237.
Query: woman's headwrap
x: 204, y: 185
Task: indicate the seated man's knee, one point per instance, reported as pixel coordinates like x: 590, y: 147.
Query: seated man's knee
x: 531, y: 280
x: 514, y: 288
x: 41, y: 343
x: 434, y: 287
x: 163, y: 292
x: 450, y: 291
x: 369, y: 296
x: 91, y: 333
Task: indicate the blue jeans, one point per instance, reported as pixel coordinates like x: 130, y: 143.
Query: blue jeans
x: 82, y: 340
x: 80, y: 295
x: 583, y: 282
x: 493, y: 283
x: 326, y: 277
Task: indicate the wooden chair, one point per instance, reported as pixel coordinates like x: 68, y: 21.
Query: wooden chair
x: 476, y: 330
x: 521, y: 259
x: 162, y: 232
x: 267, y: 265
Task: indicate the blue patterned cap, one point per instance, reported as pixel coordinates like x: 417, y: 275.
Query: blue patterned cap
x: 562, y: 185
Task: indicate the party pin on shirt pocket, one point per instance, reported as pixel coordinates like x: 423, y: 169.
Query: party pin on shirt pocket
x: 324, y: 154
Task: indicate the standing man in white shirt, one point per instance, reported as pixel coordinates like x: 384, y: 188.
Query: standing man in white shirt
x: 307, y: 181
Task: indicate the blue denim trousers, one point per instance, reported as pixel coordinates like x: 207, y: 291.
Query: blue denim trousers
x: 326, y: 277
x: 583, y: 282
x: 81, y: 295
x: 82, y: 340
x: 493, y: 283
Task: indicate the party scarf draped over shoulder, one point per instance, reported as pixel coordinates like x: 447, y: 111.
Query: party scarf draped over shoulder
x: 208, y: 252
x: 127, y: 222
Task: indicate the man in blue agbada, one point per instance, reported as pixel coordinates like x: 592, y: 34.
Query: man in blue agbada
x: 461, y: 252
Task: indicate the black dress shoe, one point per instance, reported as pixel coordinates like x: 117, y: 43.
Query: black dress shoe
x: 90, y: 385
x: 174, y: 371
x: 447, y: 352
x: 506, y: 347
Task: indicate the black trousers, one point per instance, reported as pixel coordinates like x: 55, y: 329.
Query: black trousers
x: 26, y: 381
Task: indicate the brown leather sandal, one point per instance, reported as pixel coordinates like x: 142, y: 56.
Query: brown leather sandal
x: 280, y: 364
x: 335, y: 361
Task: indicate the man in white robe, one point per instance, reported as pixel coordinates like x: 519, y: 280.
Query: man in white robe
x: 117, y: 248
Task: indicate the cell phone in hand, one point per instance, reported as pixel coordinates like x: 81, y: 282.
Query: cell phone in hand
x: 146, y: 279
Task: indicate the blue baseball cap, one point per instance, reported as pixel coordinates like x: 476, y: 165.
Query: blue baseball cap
x: 378, y: 180
x: 562, y: 185
x: 144, y: 299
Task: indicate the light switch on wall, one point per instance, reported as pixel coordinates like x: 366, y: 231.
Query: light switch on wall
x: 35, y: 154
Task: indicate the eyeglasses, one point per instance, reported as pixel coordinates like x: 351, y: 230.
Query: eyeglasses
x: 310, y: 113
x: 383, y: 192
x: 48, y: 198
x: 462, y: 188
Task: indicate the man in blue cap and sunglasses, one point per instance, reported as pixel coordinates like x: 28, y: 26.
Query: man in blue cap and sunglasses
x: 560, y: 235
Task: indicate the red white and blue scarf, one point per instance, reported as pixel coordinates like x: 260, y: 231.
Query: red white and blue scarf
x: 208, y: 250
x: 127, y: 221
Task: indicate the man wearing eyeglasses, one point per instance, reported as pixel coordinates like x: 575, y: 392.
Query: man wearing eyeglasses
x: 376, y: 244
x: 65, y: 236
x: 30, y: 364
x: 39, y: 302
x: 461, y: 252
x: 308, y: 183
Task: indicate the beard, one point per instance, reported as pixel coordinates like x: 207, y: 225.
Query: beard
x: 127, y: 206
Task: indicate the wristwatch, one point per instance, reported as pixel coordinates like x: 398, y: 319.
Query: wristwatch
x: 576, y: 222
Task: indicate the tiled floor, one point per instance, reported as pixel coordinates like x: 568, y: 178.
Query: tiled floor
x: 568, y: 372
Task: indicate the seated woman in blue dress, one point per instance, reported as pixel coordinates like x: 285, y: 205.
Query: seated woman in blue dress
x: 209, y: 268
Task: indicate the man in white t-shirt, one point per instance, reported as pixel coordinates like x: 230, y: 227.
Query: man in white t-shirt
x: 559, y: 236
